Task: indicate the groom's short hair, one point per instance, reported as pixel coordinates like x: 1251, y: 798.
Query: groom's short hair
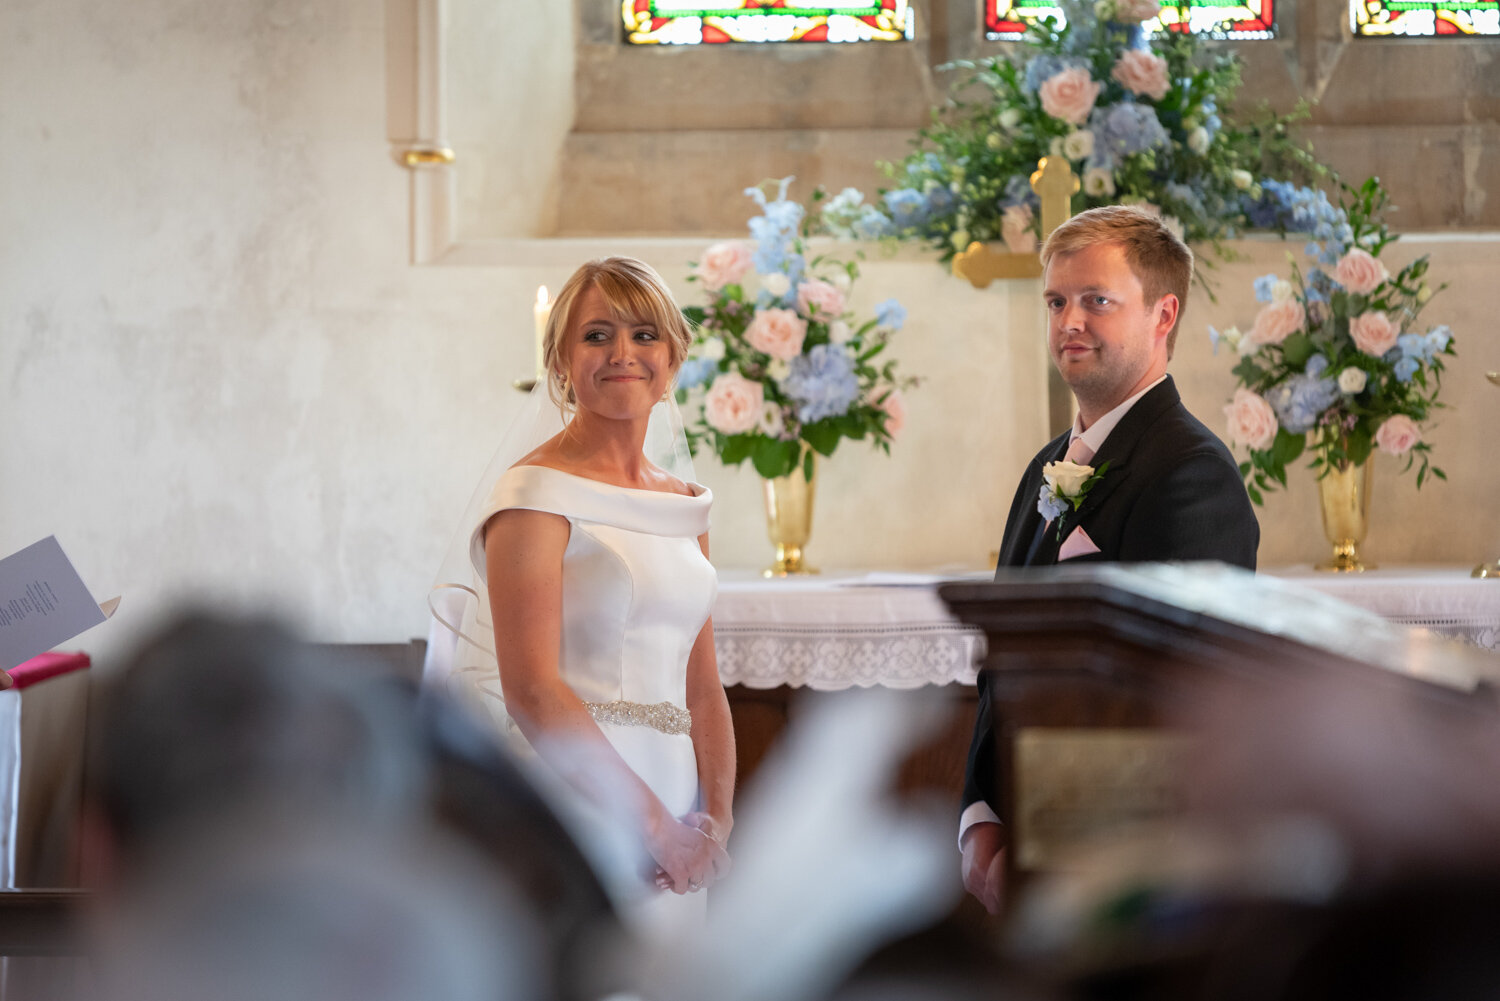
x: 1157, y: 256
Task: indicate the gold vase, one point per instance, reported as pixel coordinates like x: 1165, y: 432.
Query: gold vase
x: 1344, y: 497
x: 789, y: 514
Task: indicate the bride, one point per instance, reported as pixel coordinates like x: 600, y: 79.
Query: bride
x: 595, y: 559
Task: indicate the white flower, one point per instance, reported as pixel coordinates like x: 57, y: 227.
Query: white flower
x: 994, y: 140
x: 776, y: 283
x: 839, y: 332
x: 1352, y: 380
x: 778, y: 369
x: 1066, y: 477
x: 1055, y: 147
x: 1242, y: 179
x: 1424, y: 293
x: 960, y: 239
x: 1098, y: 182
x: 840, y: 281
x: 1198, y: 140
x: 1010, y: 118
x: 712, y: 349
x: 771, y: 421
x: 1079, y: 145
x: 1281, y: 291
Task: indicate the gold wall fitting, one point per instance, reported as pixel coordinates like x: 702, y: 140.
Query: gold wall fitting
x: 427, y: 156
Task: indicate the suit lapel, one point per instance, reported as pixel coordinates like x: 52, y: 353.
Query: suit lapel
x: 1116, y: 451
x: 1034, y: 529
x: 1025, y: 522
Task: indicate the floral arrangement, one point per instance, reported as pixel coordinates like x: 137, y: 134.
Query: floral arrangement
x: 1335, y: 362
x: 1142, y: 119
x: 781, y: 367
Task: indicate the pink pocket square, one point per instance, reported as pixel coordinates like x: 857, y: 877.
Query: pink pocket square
x: 1077, y: 543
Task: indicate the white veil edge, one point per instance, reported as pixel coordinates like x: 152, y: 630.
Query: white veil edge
x: 460, y: 636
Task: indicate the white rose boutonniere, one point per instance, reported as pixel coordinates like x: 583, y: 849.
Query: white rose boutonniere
x: 1064, y: 486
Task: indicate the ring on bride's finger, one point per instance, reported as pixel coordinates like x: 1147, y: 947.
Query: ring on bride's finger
x: 695, y: 884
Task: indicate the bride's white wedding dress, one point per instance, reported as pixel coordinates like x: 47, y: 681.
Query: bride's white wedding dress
x: 636, y: 592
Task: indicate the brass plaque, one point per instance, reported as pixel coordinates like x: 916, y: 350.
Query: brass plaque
x: 1075, y: 786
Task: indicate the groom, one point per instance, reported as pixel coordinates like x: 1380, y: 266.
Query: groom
x: 1115, y: 281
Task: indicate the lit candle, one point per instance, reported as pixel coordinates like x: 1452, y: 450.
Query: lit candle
x: 542, y: 310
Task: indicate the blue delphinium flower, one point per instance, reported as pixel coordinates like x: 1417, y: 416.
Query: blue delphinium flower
x: 1263, y: 286
x: 1127, y: 128
x: 695, y: 372
x: 822, y: 383
x: 1041, y: 69
x: 1439, y: 337
x: 890, y: 314
x: 1187, y: 198
x: 872, y: 224
x: 1318, y: 286
x: 1406, y: 368
x: 939, y: 200
x: 1298, y: 209
x: 1301, y: 400
x: 1018, y: 192
x: 907, y: 207
x: 1316, y: 366
x: 1050, y: 505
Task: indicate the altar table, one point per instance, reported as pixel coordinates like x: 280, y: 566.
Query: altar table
x: 856, y: 629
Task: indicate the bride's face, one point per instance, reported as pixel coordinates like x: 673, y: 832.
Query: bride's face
x: 618, y: 369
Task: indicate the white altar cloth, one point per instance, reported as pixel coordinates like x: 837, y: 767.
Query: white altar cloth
x: 858, y: 629
x: 841, y: 630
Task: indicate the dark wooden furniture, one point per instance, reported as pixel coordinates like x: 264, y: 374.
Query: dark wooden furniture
x: 1081, y: 656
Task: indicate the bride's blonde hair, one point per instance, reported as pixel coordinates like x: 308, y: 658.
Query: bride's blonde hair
x: 635, y: 294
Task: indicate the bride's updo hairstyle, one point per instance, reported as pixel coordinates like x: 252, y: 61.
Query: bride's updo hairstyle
x: 635, y: 293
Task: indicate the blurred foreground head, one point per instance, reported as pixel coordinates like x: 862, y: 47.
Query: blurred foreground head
x: 216, y: 715
x: 229, y: 751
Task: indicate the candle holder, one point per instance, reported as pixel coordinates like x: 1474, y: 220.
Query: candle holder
x: 1490, y: 570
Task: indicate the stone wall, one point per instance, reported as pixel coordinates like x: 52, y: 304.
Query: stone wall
x: 653, y: 123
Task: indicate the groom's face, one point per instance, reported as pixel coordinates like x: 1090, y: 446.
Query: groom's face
x: 1105, y: 339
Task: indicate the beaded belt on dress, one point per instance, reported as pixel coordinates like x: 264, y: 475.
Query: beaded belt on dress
x: 663, y: 716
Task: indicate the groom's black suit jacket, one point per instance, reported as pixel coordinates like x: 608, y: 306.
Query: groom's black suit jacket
x: 1172, y: 492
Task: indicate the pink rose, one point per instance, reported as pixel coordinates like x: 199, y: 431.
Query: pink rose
x: 1373, y: 333
x: 1142, y: 73
x: 1397, y: 435
x: 1135, y: 11
x: 1276, y: 322
x: 733, y: 404
x: 1360, y: 273
x: 777, y: 332
x: 819, y: 298
x: 1252, y: 422
x: 723, y: 264
x: 1069, y: 95
x: 1015, y: 229
x: 894, y: 406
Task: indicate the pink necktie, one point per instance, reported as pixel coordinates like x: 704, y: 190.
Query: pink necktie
x: 1079, y: 452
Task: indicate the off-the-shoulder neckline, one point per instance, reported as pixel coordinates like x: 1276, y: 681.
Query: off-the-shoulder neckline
x: 698, y: 489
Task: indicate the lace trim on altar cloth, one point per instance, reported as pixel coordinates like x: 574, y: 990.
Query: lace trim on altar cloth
x: 829, y: 658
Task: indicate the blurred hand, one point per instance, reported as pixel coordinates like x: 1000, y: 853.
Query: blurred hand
x: 984, y: 864
x: 6, y: 681
x: 688, y: 858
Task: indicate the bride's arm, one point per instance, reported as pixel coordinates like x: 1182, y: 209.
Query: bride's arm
x: 523, y: 560
x: 713, y: 731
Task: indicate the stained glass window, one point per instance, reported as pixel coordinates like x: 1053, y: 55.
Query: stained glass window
x: 695, y: 22
x: 1453, y: 19
x: 1237, y: 19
